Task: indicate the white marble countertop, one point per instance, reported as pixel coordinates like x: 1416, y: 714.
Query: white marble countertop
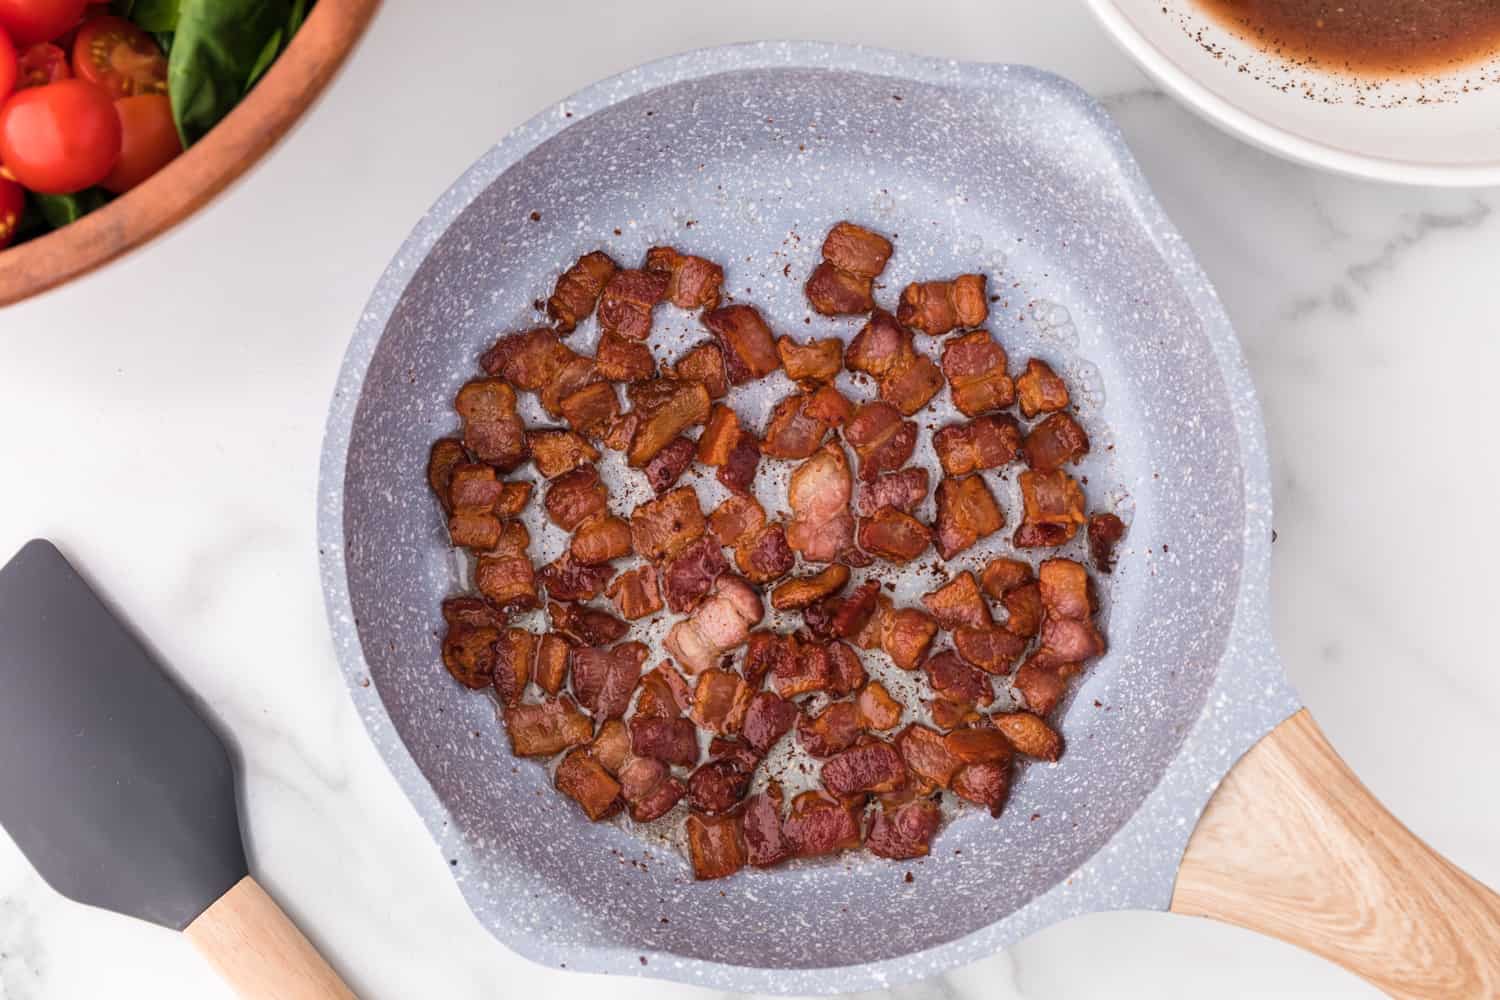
x: 1365, y: 312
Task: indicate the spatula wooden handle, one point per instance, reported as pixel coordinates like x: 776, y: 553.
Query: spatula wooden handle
x: 1292, y: 845
x: 260, y: 952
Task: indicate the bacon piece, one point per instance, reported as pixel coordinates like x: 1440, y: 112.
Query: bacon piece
x: 587, y: 625
x: 851, y: 615
x: 876, y: 708
x: 999, y: 575
x: 1071, y: 640
x: 803, y: 591
x: 566, y: 579
x: 514, y: 651
x: 575, y: 497
x: 578, y: 289
x: 600, y: 539
x: 648, y: 788
x: 585, y: 781
x: 703, y: 363
x: 819, y: 824
x: 1042, y: 681
x: 903, y: 490
x: 685, y: 404
x: 978, y: 745
x: 949, y: 714
x: 911, y: 384
x: 935, y: 307
x: 792, y: 434
x: 1054, y: 443
x: 492, y: 429
x: 611, y: 747
x: 835, y: 292
x: 604, y: 679
x: 590, y: 409
x: 692, y: 282
x: 720, y: 701
x: 828, y: 405
x: 987, y: 442
x: 881, y: 439
x: 818, y: 492
x: 764, y: 557
x: 805, y: 670
x: 1105, y: 532
x: 687, y: 577
x: 622, y: 360
x: 474, y: 487
x: 855, y: 249
x: 1040, y: 389
x: 474, y: 612
x: 670, y: 740
x: 975, y: 366
x: 663, y: 471
x: 765, y: 843
x: 469, y: 654
x: 993, y: 650
x: 620, y: 429
x: 958, y: 602
x: 505, y: 575
x: 830, y: 731
x: 1029, y: 734
x: 629, y: 297
x: 474, y: 529
x: 767, y: 720
x: 664, y: 694
x: 716, y: 845
x: 718, y: 625
x: 527, y: 360
x: 905, y: 635
x: 446, y: 455
x: 749, y: 349
x: 1023, y: 606
x: 926, y: 755
x: 719, y: 785
x: 843, y: 283
x: 736, y: 518
x: 719, y: 437
x: 546, y: 729
x: 878, y: 610
x: 763, y: 651
x: 818, y: 361
x: 739, y: 468
x: 878, y: 346
x: 873, y: 767
x: 955, y: 680
x: 986, y: 784
x: 966, y: 513
x: 574, y: 376
x: 663, y: 527
x: 893, y: 535
x: 634, y: 593
x: 904, y: 831
x: 1052, y: 509
x: 846, y: 671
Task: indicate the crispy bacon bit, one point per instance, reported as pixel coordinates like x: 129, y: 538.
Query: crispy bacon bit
x: 891, y: 534
x: 993, y: 650
x: 763, y: 651
x: 1029, y: 734
x: 720, y: 701
x: 853, y: 613
x: 855, y: 249
x: 959, y: 602
x: 692, y: 282
x: 835, y: 292
x: 720, y: 435
x: 622, y: 360
x: 879, y: 346
x: 987, y: 442
x: 1042, y: 681
x: 878, y: 609
x: 587, y: 625
x: 765, y: 843
x: 649, y: 789
x: 634, y: 593
x: 985, y: 784
x: 665, y: 526
x: 738, y: 471
x: 975, y: 366
x: 807, y: 669
x: 664, y: 694
x: 999, y: 575
x: 802, y: 591
x: 912, y: 383
x: 505, y: 576
x: 1105, y: 532
x: 904, y: 831
x: 1068, y: 634
x: 578, y: 290
x: 719, y: 785
x: 1052, y: 509
x: 566, y: 579
x: 935, y: 307
x: 474, y: 612
x: 818, y: 492
x: 600, y: 539
x: 685, y: 405
x: 476, y: 486
x: 703, y: 363
x: 877, y: 709
x: 828, y: 405
x: 688, y: 576
x: 584, y: 779
x: 905, y: 635
x: 903, y: 490
x: 818, y: 361
x: 620, y: 429
x: 966, y: 513
x: 469, y: 654
x: 881, y: 439
x: 628, y: 300
x: 577, y: 374
x: 603, y: 679
x: 1054, y: 443
x: 1041, y: 390
x: 948, y: 714
x: 820, y: 824
x: 1023, y: 606
x: 671, y: 740
x: 472, y: 528
x: 978, y: 745
x: 718, y: 625
x: 575, y: 497
x: 736, y: 518
x: 546, y: 729
x: 663, y: 471
x: 843, y: 283
x: 955, y: 680
x: 514, y: 651
x: 749, y: 349
x: 493, y: 430
x: 764, y: 557
x: 446, y: 455
x: 590, y: 409
x: 873, y: 767
x: 512, y: 499
x: 527, y: 360
x: 832, y: 730
x: 792, y: 434
x: 768, y: 719
x: 926, y: 755
x: 846, y: 671
x: 716, y: 845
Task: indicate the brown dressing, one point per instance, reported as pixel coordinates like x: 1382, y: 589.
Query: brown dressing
x: 1386, y: 37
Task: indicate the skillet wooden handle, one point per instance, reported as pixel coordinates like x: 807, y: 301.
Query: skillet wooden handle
x: 260, y: 952
x: 1292, y: 845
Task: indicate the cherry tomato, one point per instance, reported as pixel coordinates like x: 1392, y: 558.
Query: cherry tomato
x: 12, y: 204
x: 32, y: 21
x: 150, y: 140
x: 42, y: 64
x: 8, y: 69
x: 120, y: 57
x: 60, y: 138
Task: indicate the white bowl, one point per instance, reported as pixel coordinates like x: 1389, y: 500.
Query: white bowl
x: 1436, y: 130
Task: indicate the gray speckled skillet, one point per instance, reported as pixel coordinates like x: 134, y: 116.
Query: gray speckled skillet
x: 747, y: 154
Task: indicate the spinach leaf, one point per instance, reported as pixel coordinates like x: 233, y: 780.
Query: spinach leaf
x: 299, y: 14
x: 216, y: 47
x: 154, y: 15
x: 267, y: 57
x: 61, y: 209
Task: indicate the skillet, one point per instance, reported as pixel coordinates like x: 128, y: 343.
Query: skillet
x: 746, y: 155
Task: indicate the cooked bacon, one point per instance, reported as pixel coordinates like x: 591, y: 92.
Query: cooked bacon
x: 447, y: 454
x: 877, y: 709
x: 672, y: 740
x: 719, y: 785
x: 831, y: 731
x: 720, y: 435
x: 833, y: 291
x: 629, y: 297
x: 739, y: 468
x: 505, y: 576
x: 881, y: 439
x: 1052, y: 509
x: 905, y: 831
x: 617, y: 433
x: 903, y: 490
x: 692, y: 282
x: 818, y: 361
x: 1040, y: 389
x: 955, y: 680
x: 577, y: 374
x: 475, y: 529
x: 855, y: 249
x: 718, y: 625
x: 993, y: 650
x: 1105, y: 532
x: 877, y: 610
x: 1042, y: 681
x: 469, y: 654
x: 575, y: 497
x: 978, y: 745
x: 634, y: 593
x: 736, y: 518
x: 622, y: 360
x: 546, y: 729
x: 1071, y: 640
x: 567, y: 579
x: 948, y: 714
x: 818, y: 492
x: 587, y: 625
x: 716, y: 845
x: 853, y: 613
x: 792, y: 434
x: 879, y: 346
x: 584, y: 779
x: 749, y: 349
x: 685, y: 405
x: 987, y: 442
x: 985, y: 784
x: 553, y: 653
x: 926, y: 756
x: 687, y: 577
x: 828, y: 405
x: 999, y: 575
x: 611, y: 745
x: 820, y: 824
x: 763, y: 557
x: 958, y: 602
x: 476, y: 487
x: 763, y: 651
x: 527, y: 360
x: 663, y: 471
x: 966, y: 513
x: 664, y: 694
x: 767, y: 720
x: 474, y: 612
x: 665, y: 526
x: 846, y: 671
x: 1029, y: 734
x: 590, y: 409
x: 874, y: 767
x: 911, y: 384
x: 803, y: 591
x: 905, y: 635
x: 720, y: 701
x: 975, y: 366
x: 603, y: 679
x: 807, y: 669
x: 514, y: 651
x: 1054, y: 443
x: 935, y: 307
x: 578, y: 290
x: 1023, y: 606
x: 492, y: 429
x: 703, y: 363
x: 893, y: 535
x: 842, y: 284
x: 648, y: 788
x: 600, y: 539
x: 765, y: 842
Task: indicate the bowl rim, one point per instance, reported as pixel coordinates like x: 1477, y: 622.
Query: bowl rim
x: 1271, y: 137
x: 275, y: 104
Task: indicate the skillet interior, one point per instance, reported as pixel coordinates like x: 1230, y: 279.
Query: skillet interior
x: 1020, y: 180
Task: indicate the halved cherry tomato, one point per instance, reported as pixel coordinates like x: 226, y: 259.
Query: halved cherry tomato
x: 120, y: 57
x: 32, y: 21
x: 12, y: 204
x: 42, y: 64
x: 60, y: 138
x: 8, y: 68
x: 150, y: 140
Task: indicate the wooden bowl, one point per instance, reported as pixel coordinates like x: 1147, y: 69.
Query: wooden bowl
x: 188, y: 182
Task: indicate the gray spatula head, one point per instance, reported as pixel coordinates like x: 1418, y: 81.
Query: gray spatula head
x: 111, y: 783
